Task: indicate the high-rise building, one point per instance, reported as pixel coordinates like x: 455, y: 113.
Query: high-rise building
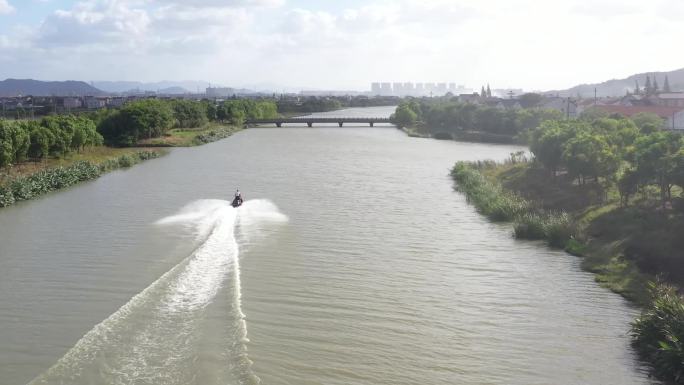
x: 376, y: 89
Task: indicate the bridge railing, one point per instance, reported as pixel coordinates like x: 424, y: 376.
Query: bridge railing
x: 311, y: 120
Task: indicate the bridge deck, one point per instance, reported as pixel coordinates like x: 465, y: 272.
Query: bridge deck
x: 309, y: 121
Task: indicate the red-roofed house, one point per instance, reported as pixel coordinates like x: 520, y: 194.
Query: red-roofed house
x: 668, y: 99
x: 674, y: 116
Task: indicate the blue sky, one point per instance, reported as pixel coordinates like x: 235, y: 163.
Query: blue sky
x: 527, y: 44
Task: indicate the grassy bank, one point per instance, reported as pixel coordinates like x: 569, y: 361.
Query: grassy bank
x: 187, y: 137
x: 34, y: 180
x: 626, y: 247
x: 563, y: 218
x: 29, y: 179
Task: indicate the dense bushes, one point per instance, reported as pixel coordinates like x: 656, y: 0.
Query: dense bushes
x: 25, y: 188
x: 492, y: 201
x: 152, y: 118
x: 236, y: 111
x: 214, y: 135
x: 446, y: 116
x: 52, y: 136
x: 658, y: 334
x: 308, y: 105
x: 137, y: 120
x: 611, y: 152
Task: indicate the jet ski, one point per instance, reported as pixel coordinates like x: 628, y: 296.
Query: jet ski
x: 237, y: 202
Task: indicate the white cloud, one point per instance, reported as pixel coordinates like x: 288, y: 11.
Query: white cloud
x: 523, y: 43
x: 5, y: 7
x: 110, y: 23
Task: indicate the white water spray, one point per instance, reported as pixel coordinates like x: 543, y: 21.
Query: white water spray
x: 153, y: 338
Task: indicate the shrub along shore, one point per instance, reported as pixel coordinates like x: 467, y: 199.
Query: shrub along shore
x: 50, y: 179
x: 611, y: 192
x: 658, y: 333
x: 55, y: 152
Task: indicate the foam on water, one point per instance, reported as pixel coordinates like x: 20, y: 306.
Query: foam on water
x: 154, y: 338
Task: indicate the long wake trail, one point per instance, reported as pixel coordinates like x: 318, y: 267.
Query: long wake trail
x: 158, y: 336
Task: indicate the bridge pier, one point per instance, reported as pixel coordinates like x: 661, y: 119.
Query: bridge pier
x: 371, y: 124
x: 279, y: 124
x: 340, y: 123
x: 310, y: 124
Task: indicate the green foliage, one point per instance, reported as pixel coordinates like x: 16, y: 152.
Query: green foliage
x: 490, y: 200
x: 657, y: 160
x: 188, y: 113
x: 648, y: 122
x: 52, y: 136
x: 404, y: 116
x: 487, y: 197
x: 593, y: 113
x: 608, y: 150
x: 29, y: 187
x: 442, y: 116
x: 308, y: 105
x: 237, y: 111
x: 137, y: 120
x: 548, y: 141
x: 589, y: 154
x: 214, y: 135
x: 658, y: 334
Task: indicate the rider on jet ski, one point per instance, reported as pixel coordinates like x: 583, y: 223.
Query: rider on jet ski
x: 237, y: 201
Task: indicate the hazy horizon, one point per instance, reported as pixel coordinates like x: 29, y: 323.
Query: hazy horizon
x: 302, y: 44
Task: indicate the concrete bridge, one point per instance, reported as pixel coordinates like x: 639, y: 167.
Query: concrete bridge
x: 309, y: 121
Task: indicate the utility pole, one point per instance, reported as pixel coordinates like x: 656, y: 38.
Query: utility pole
x: 595, y: 97
x: 567, y: 110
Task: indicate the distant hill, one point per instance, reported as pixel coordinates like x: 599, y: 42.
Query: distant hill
x: 618, y: 87
x: 16, y: 87
x: 174, y: 91
x: 168, y: 87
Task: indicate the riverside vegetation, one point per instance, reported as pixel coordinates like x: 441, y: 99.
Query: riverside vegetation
x: 446, y: 118
x: 59, y: 151
x: 608, y: 189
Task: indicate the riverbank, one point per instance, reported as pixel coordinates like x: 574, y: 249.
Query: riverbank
x: 601, y: 233
x: 621, y: 245
x: 32, y: 179
x: 189, y: 137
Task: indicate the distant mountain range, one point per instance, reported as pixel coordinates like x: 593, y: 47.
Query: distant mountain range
x: 17, y: 87
x: 165, y: 87
x: 619, y: 87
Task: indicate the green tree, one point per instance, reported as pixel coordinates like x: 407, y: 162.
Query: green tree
x: 593, y: 113
x: 6, y: 144
x: 404, y: 116
x: 589, y: 155
x: 188, y: 113
x: 138, y: 120
x: 548, y: 142
x: 656, y: 157
x: 41, y: 141
x: 648, y: 122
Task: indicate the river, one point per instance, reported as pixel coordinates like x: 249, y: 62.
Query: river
x: 353, y: 261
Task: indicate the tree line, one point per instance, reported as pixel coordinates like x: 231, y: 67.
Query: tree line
x: 152, y: 118
x: 447, y: 116
x: 612, y: 151
x: 53, y: 136
x: 330, y: 103
x: 58, y: 135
